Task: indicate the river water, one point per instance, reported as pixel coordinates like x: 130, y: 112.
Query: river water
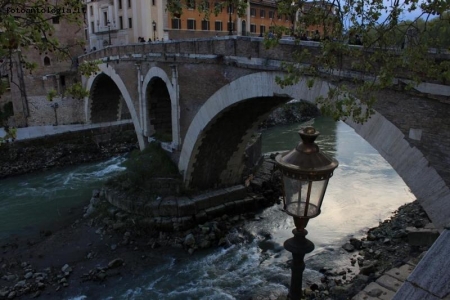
x: 363, y: 191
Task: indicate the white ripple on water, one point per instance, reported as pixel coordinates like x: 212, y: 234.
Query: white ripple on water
x: 223, y: 274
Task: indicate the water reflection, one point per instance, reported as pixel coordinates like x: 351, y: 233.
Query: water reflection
x: 363, y: 191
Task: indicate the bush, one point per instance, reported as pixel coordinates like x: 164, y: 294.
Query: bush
x: 142, y: 166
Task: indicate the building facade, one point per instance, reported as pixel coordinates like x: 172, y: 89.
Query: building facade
x: 120, y: 22
x: 260, y: 16
x: 27, y: 90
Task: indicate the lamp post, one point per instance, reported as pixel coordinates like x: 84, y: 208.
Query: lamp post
x: 306, y: 172
x: 154, y: 30
x: 109, y: 33
x: 230, y: 29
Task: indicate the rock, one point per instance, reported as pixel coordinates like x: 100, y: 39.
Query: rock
x: 189, y: 240
x: 20, y: 284
x: 205, y: 244
x: 66, y: 269
x: 368, y: 268
x: 371, y: 237
x: 115, y: 263
x: 118, y: 225
x: 89, y: 211
x: 28, y: 275
x: 348, y: 247
x: 356, y: 243
x: 12, y: 295
x: 113, y: 247
x: 95, y: 202
x: 37, y: 294
x: 9, y: 277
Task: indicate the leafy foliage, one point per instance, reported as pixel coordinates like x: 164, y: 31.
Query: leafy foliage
x: 143, y: 165
x: 371, y: 40
x: 205, y: 7
x: 5, y: 112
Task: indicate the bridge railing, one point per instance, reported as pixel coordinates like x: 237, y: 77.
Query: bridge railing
x: 236, y: 46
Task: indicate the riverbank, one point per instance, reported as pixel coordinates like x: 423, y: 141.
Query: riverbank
x: 66, y: 149
x: 90, y: 256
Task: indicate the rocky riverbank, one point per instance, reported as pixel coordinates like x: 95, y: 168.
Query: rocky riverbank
x: 66, y: 149
x: 90, y: 254
x: 292, y: 112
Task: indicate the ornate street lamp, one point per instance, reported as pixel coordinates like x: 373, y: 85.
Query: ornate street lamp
x: 306, y: 172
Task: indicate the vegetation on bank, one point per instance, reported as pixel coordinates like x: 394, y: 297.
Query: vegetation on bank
x: 143, y: 169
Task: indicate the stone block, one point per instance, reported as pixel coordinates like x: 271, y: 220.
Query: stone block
x: 166, y: 224
x: 168, y: 207
x: 411, y: 292
x: 201, y: 202
x: 201, y: 217
x: 389, y: 282
x: 401, y: 273
x: 363, y: 296
x: 186, y: 207
x: 216, y: 211
x: 217, y: 197
x: 152, y: 208
x: 377, y: 291
x: 236, y: 192
x: 421, y: 236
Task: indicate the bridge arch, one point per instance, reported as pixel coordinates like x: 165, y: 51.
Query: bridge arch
x: 158, y: 89
x: 108, y: 75
x: 423, y: 180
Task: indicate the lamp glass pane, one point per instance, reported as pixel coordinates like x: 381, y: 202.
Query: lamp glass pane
x: 296, y: 199
x: 318, y: 192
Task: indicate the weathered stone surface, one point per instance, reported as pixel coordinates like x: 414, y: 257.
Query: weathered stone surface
x: 186, y: 207
x: 401, y: 273
x: 422, y: 236
x: 375, y: 290
x: 431, y: 274
x: 389, y: 282
x: 168, y: 207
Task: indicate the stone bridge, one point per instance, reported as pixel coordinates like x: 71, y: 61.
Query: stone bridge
x: 206, y: 97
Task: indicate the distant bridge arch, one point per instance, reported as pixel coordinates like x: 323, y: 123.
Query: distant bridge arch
x: 104, y: 76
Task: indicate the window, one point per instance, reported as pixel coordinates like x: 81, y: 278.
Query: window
x: 129, y: 4
x: 252, y: 28
x: 218, y: 26
x: 55, y: 20
x: 279, y: 16
x: 271, y: 14
x: 205, y: 25
x: 92, y: 27
x: 218, y: 6
x: 190, y: 4
x: 121, y: 22
x: 262, y: 29
x: 253, y: 12
x: 62, y: 81
x: 105, y: 18
x: 46, y: 61
x: 204, y: 5
x: 176, y: 24
x: 120, y: 4
x: 91, y: 10
x: 231, y: 26
x: 262, y: 13
x: 5, y: 82
x: 130, y: 23
x: 153, y: 2
x: 191, y: 24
